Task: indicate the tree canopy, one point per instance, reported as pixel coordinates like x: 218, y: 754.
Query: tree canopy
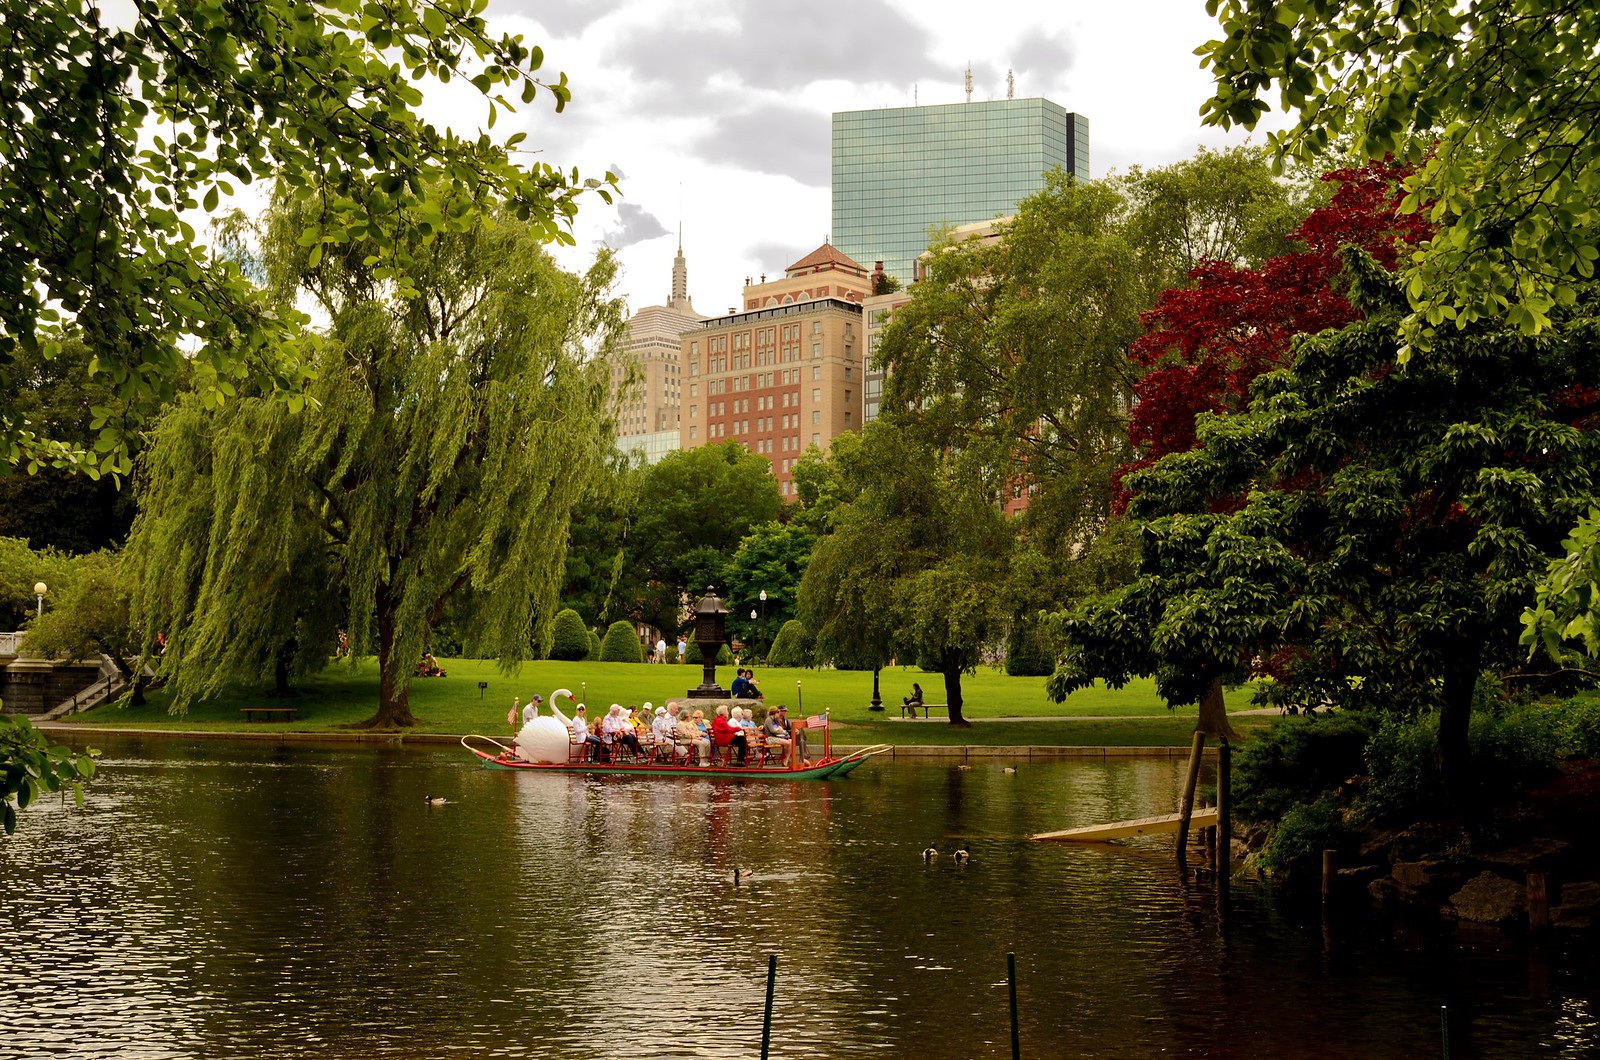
x: 1493, y: 101
x: 1368, y: 535
x: 112, y: 134
x: 447, y: 439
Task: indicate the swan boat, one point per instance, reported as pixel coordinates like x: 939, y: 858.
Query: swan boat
x: 544, y: 746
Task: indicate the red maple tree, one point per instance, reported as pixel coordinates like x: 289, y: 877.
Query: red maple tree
x: 1204, y: 344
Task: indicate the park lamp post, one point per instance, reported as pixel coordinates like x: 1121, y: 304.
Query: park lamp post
x: 765, y: 645
x: 39, y: 589
x: 877, y: 701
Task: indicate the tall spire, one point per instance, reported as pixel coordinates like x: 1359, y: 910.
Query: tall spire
x: 680, y: 279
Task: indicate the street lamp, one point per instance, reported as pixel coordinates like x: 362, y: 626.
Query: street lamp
x: 39, y: 589
x: 753, y: 631
x: 765, y: 647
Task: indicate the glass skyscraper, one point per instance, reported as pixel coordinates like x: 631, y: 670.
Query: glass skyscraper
x: 900, y: 171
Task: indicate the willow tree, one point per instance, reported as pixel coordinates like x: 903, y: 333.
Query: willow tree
x: 447, y: 433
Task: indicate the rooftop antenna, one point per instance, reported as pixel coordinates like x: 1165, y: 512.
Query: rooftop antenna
x: 969, y: 82
x: 1011, y: 85
x: 913, y: 93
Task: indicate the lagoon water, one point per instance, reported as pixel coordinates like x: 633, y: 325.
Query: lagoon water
x: 247, y: 900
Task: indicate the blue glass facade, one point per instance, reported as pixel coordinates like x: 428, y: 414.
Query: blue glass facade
x: 900, y: 171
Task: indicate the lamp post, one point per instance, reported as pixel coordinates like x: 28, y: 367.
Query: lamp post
x: 39, y: 589
x: 877, y: 701
x: 765, y: 646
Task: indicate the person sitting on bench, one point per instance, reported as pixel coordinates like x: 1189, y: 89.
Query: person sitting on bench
x: 913, y: 702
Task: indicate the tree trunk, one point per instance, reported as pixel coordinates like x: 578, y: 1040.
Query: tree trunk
x: 280, y: 670
x: 952, y: 687
x: 1214, y: 714
x: 1455, y: 716
x: 1186, y: 807
x: 394, y: 685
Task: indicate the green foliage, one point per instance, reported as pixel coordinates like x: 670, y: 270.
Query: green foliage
x: 792, y: 646
x: 1028, y: 650
x: 884, y: 283
x: 1490, y: 98
x: 621, y: 644
x: 118, y: 133
x: 724, y: 655
x: 912, y: 563
x: 1298, y: 760
x: 569, y: 637
x: 446, y: 440
x: 1302, y: 834
x: 30, y: 767
x: 771, y: 558
x: 692, y: 655
x: 90, y: 616
x: 1368, y: 534
x: 594, y: 646
x: 21, y: 568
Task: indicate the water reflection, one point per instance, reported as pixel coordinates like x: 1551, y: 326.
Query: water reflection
x: 223, y: 900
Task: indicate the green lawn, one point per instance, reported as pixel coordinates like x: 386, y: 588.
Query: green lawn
x: 343, y: 695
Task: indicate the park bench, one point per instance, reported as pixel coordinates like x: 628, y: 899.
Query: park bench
x: 270, y: 713
x: 926, y: 708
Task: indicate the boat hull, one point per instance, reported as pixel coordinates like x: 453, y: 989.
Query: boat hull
x: 826, y: 769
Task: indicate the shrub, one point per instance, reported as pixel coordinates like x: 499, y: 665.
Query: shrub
x: 1028, y: 653
x: 672, y: 653
x: 1302, y: 834
x: 594, y: 647
x: 621, y: 644
x: 569, y: 637
x: 1298, y: 760
x: 792, y: 646
x: 692, y: 656
x: 724, y: 656
x: 1580, y: 725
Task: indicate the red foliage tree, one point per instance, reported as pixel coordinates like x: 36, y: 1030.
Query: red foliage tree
x: 1204, y: 344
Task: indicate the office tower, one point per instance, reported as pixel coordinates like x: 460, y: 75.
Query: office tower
x: 785, y: 373
x: 646, y: 381
x: 900, y: 171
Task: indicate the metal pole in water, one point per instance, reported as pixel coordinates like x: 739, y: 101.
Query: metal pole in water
x: 766, y: 1020
x: 1444, y: 1029
x: 1011, y: 981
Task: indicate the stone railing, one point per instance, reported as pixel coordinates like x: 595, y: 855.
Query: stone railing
x: 10, y: 642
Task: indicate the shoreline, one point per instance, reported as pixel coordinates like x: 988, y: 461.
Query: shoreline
x: 951, y: 751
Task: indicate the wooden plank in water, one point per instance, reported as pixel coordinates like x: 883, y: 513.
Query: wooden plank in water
x: 1202, y: 817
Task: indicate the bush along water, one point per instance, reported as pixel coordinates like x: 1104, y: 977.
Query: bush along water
x: 1334, y: 781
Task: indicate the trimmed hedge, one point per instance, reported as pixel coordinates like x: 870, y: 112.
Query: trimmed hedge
x: 594, y: 647
x: 621, y: 644
x: 792, y: 647
x: 569, y: 637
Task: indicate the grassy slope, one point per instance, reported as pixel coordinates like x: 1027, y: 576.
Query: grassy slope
x: 342, y: 695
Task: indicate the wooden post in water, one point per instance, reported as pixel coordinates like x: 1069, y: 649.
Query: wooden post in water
x: 1330, y: 870
x: 766, y: 1019
x: 1444, y: 1029
x: 1011, y: 980
x: 1186, y: 807
x: 1223, y: 855
x: 1538, y: 902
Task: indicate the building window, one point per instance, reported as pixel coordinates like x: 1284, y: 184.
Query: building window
x: 816, y: 416
x: 816, y: 350
x: 816, y: 372
x: 816, y: 395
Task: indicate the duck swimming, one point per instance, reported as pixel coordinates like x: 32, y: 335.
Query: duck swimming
x: 435, y: 800
x: 931, y: 854
x: 962, y: 855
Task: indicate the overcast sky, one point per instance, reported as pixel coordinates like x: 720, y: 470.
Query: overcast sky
x: 715, y: 113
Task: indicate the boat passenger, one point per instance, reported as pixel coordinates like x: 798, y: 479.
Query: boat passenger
x: 580, y: 732
x: 727, y: 735
x: 778, y: 735
x: 531, y: 711
x: 699, y: 719
x: 616, y: 730
x: 747, y: 721
x: 662, y: 728
x: 686, y: 741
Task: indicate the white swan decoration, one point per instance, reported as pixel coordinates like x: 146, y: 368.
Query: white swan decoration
x: 546, y: 739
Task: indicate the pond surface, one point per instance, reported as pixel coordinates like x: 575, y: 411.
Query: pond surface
x: 242, y: 900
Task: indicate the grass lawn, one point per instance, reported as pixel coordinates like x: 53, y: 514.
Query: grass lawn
x: 343, y: 695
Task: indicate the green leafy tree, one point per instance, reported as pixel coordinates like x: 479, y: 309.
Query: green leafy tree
x: 569, y: 637
x: 112, y: 132
x: 771, y: 558
x: 21, y: 568
x: 446, y: 440
x: 30, y: 766
x: 92, y: 617
x: 694, y: 508
x: 1369, y: 534
x: 1494, y: 102
x: 55, y: 506
x: 792, y: 646
x: 595, y: 644
x: 621, y: 644
x: 912, y: 565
